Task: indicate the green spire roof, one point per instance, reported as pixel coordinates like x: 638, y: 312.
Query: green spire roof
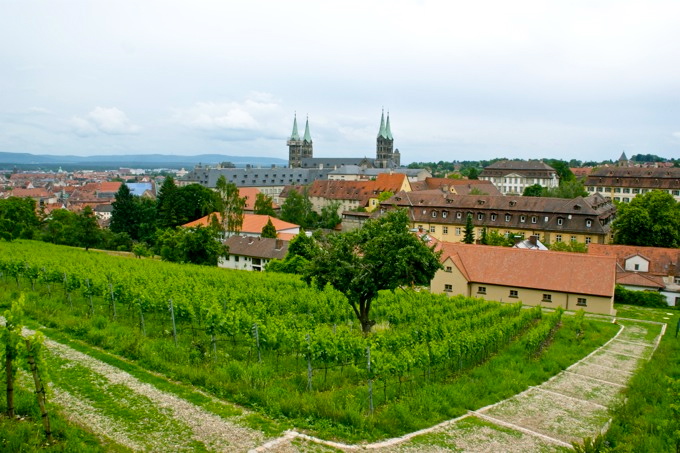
x: 388, y: 131
x: 381, y: 132
x: 295, y: 135
x: 308, y: 136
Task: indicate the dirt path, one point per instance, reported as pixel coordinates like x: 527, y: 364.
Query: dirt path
x: 571, y: 405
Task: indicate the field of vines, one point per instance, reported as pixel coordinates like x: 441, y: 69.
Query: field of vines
x: 268, y: 341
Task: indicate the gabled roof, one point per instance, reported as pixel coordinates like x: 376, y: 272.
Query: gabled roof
x: 459, y: 186
x: 575, y: 273
x: 361, y: 191
x: 252, y: 223
x: 662, y: 261
x: 32, y: 193
x: 257, y: 247
x: 109, y: 186
x: 638, y: 279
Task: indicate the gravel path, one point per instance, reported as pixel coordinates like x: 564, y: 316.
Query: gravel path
x: 190, y: 428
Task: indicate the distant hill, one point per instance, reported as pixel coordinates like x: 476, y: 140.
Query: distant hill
x: 26, y: 160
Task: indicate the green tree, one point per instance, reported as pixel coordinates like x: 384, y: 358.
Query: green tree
x: 562, y: 169
x: 269, y: 230
x: 535, y: 190
x: 297, y: 209
x: 567, y: 189
x: 652, y: 219
x: 385, y: 195
x: 88, y: 232
x: 18, y: 219
x: 329, y: 216
x: 469, y: 232
x: 493, y: 237
x: 473, y: 173
x: 382, y: 255
x: 61, y: 227
x: 232, y: 205
x: 191, y: 245
x: 192, y: 202
x: 166, y: 204
x: 125, y: 214
x: 576, y: 247
x: 264, y: 205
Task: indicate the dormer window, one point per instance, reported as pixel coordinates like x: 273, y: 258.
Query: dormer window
x: 507, y: 217
x: 534, y: 219
x: 434, y: 214
x: 522, y: 219
x: 560, y: 220
x: 513, y: 203
x: 589, y: 223
x: 444, y: 214
x: 459, y: 215
x: 493, y: 217
x: 480, y: 216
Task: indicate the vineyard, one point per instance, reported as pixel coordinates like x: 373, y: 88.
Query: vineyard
x: 269, y: 341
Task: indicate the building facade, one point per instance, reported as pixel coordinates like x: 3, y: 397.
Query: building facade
x: 572, y: 281
x: 444, y: 215
x: 511, y: 177
x: 625, y: 183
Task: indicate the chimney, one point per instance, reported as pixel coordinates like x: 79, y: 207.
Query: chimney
x: 279, y: 244
x: 533, y: 240
x: 518, y: 239
x: 250, y: 239
x: 672, y: 269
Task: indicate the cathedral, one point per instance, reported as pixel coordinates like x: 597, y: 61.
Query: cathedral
x: 301, y: 152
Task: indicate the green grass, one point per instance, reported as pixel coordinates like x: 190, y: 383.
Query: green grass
x: 668, y: 315
x: 25, y: 434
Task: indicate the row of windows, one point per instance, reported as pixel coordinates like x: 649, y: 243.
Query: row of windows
x: 508, y: 217
x: 581, y: 301
x: 630, y: 190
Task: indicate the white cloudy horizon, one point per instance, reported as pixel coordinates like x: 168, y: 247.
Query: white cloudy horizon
x: 461, y: 80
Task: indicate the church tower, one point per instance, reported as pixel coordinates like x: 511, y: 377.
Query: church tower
x: 298, y: 148
x: 386, y: 157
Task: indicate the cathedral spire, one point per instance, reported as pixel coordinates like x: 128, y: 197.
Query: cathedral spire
x: 308, y: 136
x: 381, y: 132
x: 295, y: 135
x: 388, y: 131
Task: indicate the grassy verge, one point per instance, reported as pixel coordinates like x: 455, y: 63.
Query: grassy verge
x: 25, y: 433
x: 647, y: 420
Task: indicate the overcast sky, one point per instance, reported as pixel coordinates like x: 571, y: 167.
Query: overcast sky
x: 461, y: 80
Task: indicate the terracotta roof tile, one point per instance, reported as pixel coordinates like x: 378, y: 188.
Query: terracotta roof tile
x: 662, y: 261
x: 575, y: 273
x: 252, y: 223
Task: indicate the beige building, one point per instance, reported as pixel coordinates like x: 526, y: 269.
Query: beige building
x: 625, y: 183
x: 511, y: 177
x: 583, y: 219
x: 549, y: 279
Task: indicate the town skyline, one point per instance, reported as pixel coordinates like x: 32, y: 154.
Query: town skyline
x: 461, y: 82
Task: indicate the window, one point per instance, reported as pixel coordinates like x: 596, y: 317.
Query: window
x: 448, y: 288
x: 445, y: 230
x: 444, y: 214
x: 434, y: 213
x: 459, y: 215
x: 522, y: 218
x: 481, y: 290
x: 677, y: 280
x: 507, y: 217
x: 558, y: 238
x: 534, y: 219
x: 449, y: 269
x: 588, y: 240
x: 581, y: 301
x: 493, y: 217
x: 573, y: 239
x: 617, y: 198
x: 457, y: 231
x: 560, y: 220
x: 480, y: 216
x: 589, y: 223
x: 617, y: 190
x: 626, y: 190
x: 514, y: 293
x: 547, y: 297
x: 637, y: 267
x: 236, y: 258
x: 432, y: 229
x: 636, y: 190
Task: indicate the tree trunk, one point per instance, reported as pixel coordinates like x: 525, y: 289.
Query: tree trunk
x: 10, y: 380
x: 39, y: 391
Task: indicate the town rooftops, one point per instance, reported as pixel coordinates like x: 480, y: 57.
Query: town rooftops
x: 252, y: 223
x: 662, y: 261
x: 576, y: 273
x: 650, y: 178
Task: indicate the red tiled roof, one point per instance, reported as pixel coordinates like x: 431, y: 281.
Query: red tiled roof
x: 575, y: 273
x: 252, y: 223
x: 109, y: 186
x: 662, y: 261
x: 637, y: 279
x: 358, y: 190
x: 33, y: 193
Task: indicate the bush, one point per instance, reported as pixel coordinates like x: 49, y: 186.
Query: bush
x: 642, y: 298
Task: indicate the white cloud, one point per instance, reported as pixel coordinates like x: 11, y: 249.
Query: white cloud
x: 103, y: 120
x: 254, y: 114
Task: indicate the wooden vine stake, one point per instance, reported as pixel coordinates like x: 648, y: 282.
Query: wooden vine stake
x: 33, y: 345
x: 370, y: 381
x: 174, y: 327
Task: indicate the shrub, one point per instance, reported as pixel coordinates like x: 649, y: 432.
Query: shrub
x: 642, y: 298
